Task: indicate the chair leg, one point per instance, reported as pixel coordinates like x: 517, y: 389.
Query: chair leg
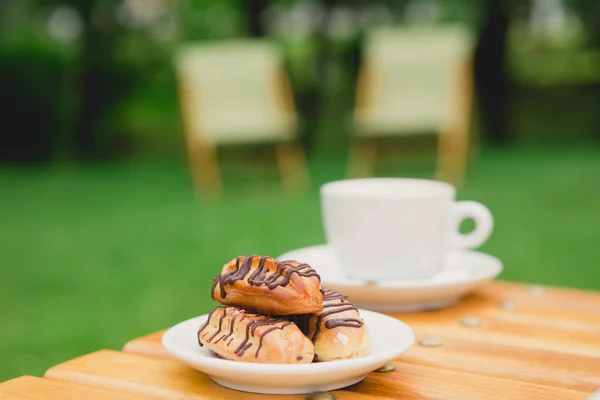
x: 204, y: 166
x: 361, y: 158
x: 452, y: 156
x: 292, y: 163
x: 453, y: 150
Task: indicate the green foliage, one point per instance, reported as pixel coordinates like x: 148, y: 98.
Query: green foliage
x: 209, y: 19
x: 133, y: 90
x: 31, y: 106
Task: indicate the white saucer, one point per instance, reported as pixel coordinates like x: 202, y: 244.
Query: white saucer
x: 463, y: 271
x: 390, y: 338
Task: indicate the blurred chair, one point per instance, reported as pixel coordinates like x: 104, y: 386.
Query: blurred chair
x: 414, y: 81
x: 236, y: 92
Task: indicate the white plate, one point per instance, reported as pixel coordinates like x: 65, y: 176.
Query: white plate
x: 462, y: 272
x: 390, y: 338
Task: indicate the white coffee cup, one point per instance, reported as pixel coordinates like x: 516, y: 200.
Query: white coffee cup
x: 392, y: 228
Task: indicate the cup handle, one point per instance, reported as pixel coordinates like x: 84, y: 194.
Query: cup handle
x: 484, y: 222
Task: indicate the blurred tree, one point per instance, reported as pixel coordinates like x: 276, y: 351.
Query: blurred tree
x: 589, y: 12
x: 30, y: 85
x: 491, y: 79
x: 83, y: 91
x: 96, y: 80
x: 29, y: 103
x: 254, y: 11
x: 312, y: 101
x: 213, y: 19
x: 102, y: 81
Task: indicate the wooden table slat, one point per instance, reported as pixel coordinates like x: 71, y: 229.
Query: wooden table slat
x: 568, y: 305
x: 159, y: 378
x: 522, y: 334
x: 149, y: 345
x: 172, y: 379
x: 532, y: 307
x: 506, y: 360
x: 469, y: 354
x: 413, y: 381
x: 33, y: 388
x: 560, y: 350
x: 532, y: 343
x: 545, y: 296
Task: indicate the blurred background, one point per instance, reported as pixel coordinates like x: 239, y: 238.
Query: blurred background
x: 121, y: 196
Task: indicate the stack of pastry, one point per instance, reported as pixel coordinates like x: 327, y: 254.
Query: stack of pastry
x: 276, y: 312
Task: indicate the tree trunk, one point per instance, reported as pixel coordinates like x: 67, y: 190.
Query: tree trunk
x: 254, y: 10
x: 103, y: 83
x: 490, y: 74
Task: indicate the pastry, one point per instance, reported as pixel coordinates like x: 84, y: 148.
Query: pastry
x: 338, y: 332
x: 235, y: 334
x: 268, y: 286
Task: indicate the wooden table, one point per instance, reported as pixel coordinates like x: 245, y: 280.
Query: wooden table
x: 507, y: 341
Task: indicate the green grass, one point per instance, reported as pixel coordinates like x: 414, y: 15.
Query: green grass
x: 93, y: 257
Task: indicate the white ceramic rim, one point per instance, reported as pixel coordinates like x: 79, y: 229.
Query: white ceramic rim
x: 493, y: 268
x: 426, y: 189
x: 406, y: 338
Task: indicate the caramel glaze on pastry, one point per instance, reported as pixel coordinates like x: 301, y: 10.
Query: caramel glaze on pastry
x: 237, y: 335
x: 268, y: 286
x: 338, y: 332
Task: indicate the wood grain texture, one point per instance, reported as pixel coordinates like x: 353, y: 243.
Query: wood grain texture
x: 423, y: 382
x: 545, y: 297
x: 149, y: 345
x: 545, y: 321
x: 544, y: 345
x: 548, y: 336
x: 522, y: 333
x: 564, y: 305
x: 470, y: 353
x: 156, y: 378
x: 32, y: 388
x: 547, y: 367
x: 171, y: 379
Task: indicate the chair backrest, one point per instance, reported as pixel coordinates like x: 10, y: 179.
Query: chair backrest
x: 412, y: 78
x: 231, y: 92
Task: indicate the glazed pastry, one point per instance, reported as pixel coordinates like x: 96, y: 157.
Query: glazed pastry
x: 268, y: 286
x: 338, y: 332
x: 237, y: 335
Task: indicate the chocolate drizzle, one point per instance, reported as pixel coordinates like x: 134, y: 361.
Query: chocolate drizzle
x: 349, y: 322
x: 221, y: 318
x: 336, y: 303
x: 205, y: 324
x: 231, y: 326
x: 251, y: 328
x: 330, y: 295
x: 213, y: 286
x: 261, y: 276
x: 251, y: 331
x: 262, y: 336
